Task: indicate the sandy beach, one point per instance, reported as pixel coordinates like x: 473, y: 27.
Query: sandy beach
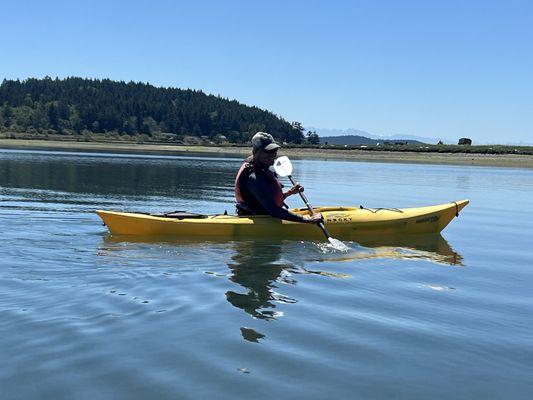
x: 489, y: 160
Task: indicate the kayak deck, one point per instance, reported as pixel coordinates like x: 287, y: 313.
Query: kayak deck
x: 342, y: 222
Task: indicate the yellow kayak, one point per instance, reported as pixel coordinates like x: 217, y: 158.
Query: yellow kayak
x: 341, y: 222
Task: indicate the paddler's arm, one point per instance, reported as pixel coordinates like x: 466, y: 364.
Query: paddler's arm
x: 294, y: 190
x: 258, y: 187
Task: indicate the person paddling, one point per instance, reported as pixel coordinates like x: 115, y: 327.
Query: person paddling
x: 257, y: 189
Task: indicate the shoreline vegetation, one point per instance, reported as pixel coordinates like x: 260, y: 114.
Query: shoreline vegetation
x: 78, y: 114
x: 503, y: 156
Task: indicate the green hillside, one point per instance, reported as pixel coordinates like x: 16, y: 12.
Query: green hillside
x: 84, y: 106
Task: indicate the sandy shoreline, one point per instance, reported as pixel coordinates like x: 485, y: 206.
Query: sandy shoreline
x: 492, y: 160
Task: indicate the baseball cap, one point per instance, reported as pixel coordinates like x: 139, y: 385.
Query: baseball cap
x: 264, y: 141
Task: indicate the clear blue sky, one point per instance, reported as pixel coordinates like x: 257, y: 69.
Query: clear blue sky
x: 431, y: 68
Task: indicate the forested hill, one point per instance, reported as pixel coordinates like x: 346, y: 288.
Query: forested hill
x: 78, y: 105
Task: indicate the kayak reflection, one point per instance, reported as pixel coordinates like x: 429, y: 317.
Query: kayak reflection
x: 432, y: 248
x: 266, y: 253
x: 261, y: 269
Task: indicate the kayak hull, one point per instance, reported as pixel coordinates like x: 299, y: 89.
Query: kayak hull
x: 342, y: 223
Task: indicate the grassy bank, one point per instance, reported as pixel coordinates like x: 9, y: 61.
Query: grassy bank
x: 477, y: 155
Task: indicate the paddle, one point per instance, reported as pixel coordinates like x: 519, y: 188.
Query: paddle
x: 283, y: 167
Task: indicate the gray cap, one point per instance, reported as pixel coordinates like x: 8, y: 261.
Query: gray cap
x: 264, y: 141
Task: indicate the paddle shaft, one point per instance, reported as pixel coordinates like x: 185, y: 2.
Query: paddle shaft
x: 310, y: 208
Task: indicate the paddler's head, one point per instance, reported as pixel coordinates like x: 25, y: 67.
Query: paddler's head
x: 265, y: 149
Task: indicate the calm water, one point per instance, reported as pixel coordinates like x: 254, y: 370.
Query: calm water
x: 87, y: 316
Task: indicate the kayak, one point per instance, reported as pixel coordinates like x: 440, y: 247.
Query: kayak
x: 341, y: 222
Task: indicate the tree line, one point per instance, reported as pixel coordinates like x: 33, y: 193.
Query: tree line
x: 79, y: 105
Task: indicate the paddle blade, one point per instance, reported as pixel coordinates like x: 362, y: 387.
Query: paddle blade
x: 283, y: 166
x: 337, y: 244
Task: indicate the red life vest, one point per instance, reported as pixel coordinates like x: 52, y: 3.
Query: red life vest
x: 243, y: 196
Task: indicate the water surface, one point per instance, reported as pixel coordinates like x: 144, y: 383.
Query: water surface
x: 85, y: 315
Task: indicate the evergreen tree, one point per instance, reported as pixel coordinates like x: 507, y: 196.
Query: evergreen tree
x: 312, y: 137
x: 7, y: 114
x: 52, y: 116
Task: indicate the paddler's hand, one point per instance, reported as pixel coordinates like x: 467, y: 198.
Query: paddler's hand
x: 294, y: 190
x: 314, y: 219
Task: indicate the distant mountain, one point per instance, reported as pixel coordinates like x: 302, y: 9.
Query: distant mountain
x: 325, y: 132
x: 362, y: 140
x: 348, y: 139
x: 419, y: 139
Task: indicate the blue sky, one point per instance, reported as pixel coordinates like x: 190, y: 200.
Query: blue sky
x: 430, y: 68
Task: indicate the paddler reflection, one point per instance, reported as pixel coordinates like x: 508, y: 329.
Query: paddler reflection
x: 256, y: 267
